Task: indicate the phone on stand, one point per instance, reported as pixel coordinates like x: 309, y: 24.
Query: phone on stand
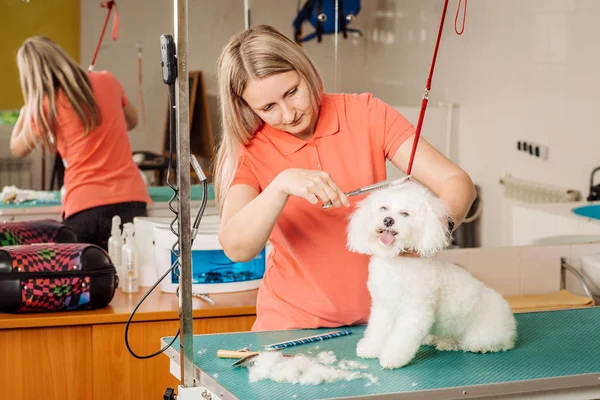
x: 168, y: 59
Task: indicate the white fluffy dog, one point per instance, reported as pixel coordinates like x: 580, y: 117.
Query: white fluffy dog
x: 419, y: 300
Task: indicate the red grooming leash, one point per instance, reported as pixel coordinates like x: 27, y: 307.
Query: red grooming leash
x: 428, y: 85
x: 115, y: 29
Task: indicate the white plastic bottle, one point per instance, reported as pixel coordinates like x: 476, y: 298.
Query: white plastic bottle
x: 128, y: 261
x: 115, y: 244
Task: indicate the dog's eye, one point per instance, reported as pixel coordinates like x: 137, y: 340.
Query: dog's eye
x: 383, y: 208
x: 404, y: 214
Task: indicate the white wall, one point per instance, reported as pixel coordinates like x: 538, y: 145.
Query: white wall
x: 523, y: 69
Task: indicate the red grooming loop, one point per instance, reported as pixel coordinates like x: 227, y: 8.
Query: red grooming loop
x: 428, y: 84
x: 115, y: 30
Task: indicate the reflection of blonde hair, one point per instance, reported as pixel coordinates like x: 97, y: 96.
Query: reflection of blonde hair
x: 256, y: 53
x: 44, y: 69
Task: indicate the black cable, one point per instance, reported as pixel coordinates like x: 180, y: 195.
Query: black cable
x: 172, y: 128
x: 173, y: 197
x: 169, y: 74
x: 174, y: 249
x: 202, y: 206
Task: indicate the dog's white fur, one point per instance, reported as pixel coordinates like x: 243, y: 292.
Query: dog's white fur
x: 419, y: 300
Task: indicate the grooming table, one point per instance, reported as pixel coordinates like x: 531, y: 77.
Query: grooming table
x: 557, y: 356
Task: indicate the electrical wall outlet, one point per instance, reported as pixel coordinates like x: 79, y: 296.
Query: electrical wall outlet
x: 533, y: 149
x: 543, y: 151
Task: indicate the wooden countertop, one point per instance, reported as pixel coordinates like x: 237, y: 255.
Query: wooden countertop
x: 158, y: 306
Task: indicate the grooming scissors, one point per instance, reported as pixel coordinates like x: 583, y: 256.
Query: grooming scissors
x: 375, y: 186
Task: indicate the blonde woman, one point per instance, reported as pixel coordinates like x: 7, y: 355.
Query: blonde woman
x: 85, y: 117
x: 287, y: 148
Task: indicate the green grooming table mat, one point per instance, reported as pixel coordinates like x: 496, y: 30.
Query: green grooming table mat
x: 164, y: 193
x: 158, y: 194
x: 52, y: 201
x: 556, y: 350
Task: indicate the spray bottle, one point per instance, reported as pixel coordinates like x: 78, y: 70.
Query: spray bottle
x: 115, y: 243
x: 128, y: 261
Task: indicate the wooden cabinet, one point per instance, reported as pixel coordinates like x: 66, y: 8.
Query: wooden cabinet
x: 82, y: 355
x: 48, y: 363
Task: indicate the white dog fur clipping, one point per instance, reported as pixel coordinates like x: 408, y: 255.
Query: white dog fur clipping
x: 306, y: 370
x: 419, y: 300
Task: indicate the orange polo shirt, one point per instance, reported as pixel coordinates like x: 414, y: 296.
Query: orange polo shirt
x: 99, y: 166
x: 311, y: 280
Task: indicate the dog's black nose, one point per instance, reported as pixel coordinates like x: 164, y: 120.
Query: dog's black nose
x: 388, y: 221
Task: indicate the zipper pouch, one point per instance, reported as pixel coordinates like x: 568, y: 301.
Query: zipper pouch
x: 37, y: 231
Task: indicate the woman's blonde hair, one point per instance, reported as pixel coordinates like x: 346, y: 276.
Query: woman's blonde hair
x: 255, y: 53
x: 44, y: 69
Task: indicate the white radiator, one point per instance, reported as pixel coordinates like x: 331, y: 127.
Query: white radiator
x: 535, y: 192
x: 15, y: 172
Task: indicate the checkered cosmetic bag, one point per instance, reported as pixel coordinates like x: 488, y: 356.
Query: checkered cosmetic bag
x: 55, y: 277
x: 37, y: 231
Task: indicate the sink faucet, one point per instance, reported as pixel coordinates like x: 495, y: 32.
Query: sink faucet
x: 594, y: 190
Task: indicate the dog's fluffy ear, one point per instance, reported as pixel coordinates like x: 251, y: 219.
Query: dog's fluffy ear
x: 434, y: 236
x: 358, y: 235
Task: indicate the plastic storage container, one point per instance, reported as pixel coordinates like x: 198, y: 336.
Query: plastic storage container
x: 212, y: 270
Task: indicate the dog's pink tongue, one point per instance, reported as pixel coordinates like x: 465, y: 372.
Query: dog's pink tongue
x: 386, y: 237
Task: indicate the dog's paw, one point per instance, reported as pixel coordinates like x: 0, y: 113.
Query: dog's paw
x: 430, y: 340
x: 367, y: 348
x: 392, y: 361
x: 447, y: 344
x: 489, y: 347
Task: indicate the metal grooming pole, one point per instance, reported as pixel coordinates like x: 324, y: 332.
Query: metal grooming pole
x: 187, y: 389
x: 335, y: 43
x: 246, y: 14
x: 190, y: 388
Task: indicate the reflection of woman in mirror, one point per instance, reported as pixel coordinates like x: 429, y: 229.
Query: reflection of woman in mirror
x: 287, y: 147
x: 85, y: 117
